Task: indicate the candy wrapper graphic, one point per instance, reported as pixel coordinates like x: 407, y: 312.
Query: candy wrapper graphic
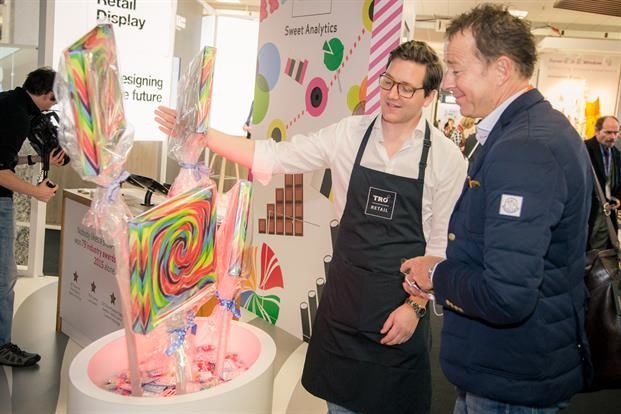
x: 172, y: 258
x: 193, y: 106
x: 94, y: 133
x: 231, y: 239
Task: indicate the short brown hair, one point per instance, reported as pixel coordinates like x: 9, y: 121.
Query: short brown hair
x: 421, y: 53
x: 498, y: 33
x: 599, y: 124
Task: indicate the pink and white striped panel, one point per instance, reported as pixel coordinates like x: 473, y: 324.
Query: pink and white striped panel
x: 385, y: 36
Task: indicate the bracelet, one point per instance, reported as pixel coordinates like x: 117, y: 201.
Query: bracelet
x: 420, y: 311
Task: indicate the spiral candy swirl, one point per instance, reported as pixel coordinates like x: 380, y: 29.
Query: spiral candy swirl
x: 171, y: 256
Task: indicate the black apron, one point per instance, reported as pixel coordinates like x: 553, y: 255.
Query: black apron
x: 345, y: 363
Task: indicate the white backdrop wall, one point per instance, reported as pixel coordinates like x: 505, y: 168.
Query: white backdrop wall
x: 235, y: 39
x: 144, y: 32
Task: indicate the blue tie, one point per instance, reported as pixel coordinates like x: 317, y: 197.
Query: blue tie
x: 607, y: 161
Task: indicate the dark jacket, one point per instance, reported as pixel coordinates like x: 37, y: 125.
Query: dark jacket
x: 593, y: 148
x: 471, y: 149
x: 512, y: 285
x: 16, y: 112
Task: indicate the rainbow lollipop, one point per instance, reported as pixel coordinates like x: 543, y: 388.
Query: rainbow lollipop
x: 193, y: 105
x: 95, y: 97
x: 205, y: 89
x: 231, y: 243
x: 233, y: 239
x: 172, y: 260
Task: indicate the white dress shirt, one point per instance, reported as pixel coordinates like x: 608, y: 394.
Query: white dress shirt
x: 486, y: 125
x: 336, y: 146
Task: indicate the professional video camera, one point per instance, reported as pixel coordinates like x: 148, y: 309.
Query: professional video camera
x: 44, y: 139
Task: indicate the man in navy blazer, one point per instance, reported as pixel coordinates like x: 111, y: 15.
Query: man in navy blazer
x: 606, y: 161
x: 512, y: 286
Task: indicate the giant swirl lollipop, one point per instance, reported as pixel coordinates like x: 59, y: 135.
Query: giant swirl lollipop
x: 231, y: 241
x: 193, y: 105
x: 171, y: 257
x: 94, y: 133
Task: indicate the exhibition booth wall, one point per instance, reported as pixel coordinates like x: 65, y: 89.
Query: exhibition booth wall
x: 180, y: 33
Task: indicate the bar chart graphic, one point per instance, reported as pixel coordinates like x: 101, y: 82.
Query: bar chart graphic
x: 285, y: 216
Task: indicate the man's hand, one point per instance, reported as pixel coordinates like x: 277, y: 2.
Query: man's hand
x: 43, y: 192
x: 57, y: 157
x: 167, y: 120
x: 417, y: 274
x: 399, y: 326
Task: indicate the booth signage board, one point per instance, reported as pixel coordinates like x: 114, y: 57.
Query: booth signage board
x: 144, y: 32
x: 583, y: 86
x: 89, y: 299
x: 312, y: 67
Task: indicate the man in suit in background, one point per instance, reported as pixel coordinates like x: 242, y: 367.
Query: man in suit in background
x: 512, y: 283
x: 606, y: 160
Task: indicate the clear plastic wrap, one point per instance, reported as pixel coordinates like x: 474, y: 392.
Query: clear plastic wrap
x: 93, y: 130
x: 231, y: 240
x: 193, y: 105
x: 94, y: 133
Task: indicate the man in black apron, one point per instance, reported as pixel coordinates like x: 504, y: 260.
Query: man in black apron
x: 369, y: 349
x: 346, y: 362
x: 350, y: 362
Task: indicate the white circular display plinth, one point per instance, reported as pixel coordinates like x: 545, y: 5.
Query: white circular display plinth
x: 251, y: 392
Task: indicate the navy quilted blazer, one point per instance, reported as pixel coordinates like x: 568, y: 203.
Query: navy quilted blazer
x: 512, y: 285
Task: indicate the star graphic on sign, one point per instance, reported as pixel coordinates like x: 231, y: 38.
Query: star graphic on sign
x: 112, y: 298
x: 93, y: 287
x: 75, y: 276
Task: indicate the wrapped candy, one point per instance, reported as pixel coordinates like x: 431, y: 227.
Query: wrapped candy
x: 94, y: 133
x: 233, y: 231
x: 231, y: 240
x: 93, y: 130
x: 172, y: 257
x: 193, y: 106
x: 95, y: 136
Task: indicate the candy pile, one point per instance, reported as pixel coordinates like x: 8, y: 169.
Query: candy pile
x: 159, y: 382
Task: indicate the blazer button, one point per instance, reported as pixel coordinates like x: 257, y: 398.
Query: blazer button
x: 451, y: 236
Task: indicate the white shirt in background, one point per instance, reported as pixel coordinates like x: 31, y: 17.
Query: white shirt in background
x: 336, y: 146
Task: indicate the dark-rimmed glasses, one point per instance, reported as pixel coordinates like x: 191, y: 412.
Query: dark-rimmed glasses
x: 403, y: 89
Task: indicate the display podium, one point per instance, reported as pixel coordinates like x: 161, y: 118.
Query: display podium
x: 251, y: 392
x: 88, y: 296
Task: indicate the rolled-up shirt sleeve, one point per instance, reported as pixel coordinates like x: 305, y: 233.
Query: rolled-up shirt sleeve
x: 300, y: 154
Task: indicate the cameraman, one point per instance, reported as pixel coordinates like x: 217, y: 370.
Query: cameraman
x: 18, y: 108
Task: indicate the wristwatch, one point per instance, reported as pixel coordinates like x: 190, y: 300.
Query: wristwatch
x: 420, y: 310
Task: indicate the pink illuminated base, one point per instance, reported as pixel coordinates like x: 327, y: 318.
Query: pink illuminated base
x: 108, y: 356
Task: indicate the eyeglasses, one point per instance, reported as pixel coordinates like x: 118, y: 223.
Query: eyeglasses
x: 404, y: 90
